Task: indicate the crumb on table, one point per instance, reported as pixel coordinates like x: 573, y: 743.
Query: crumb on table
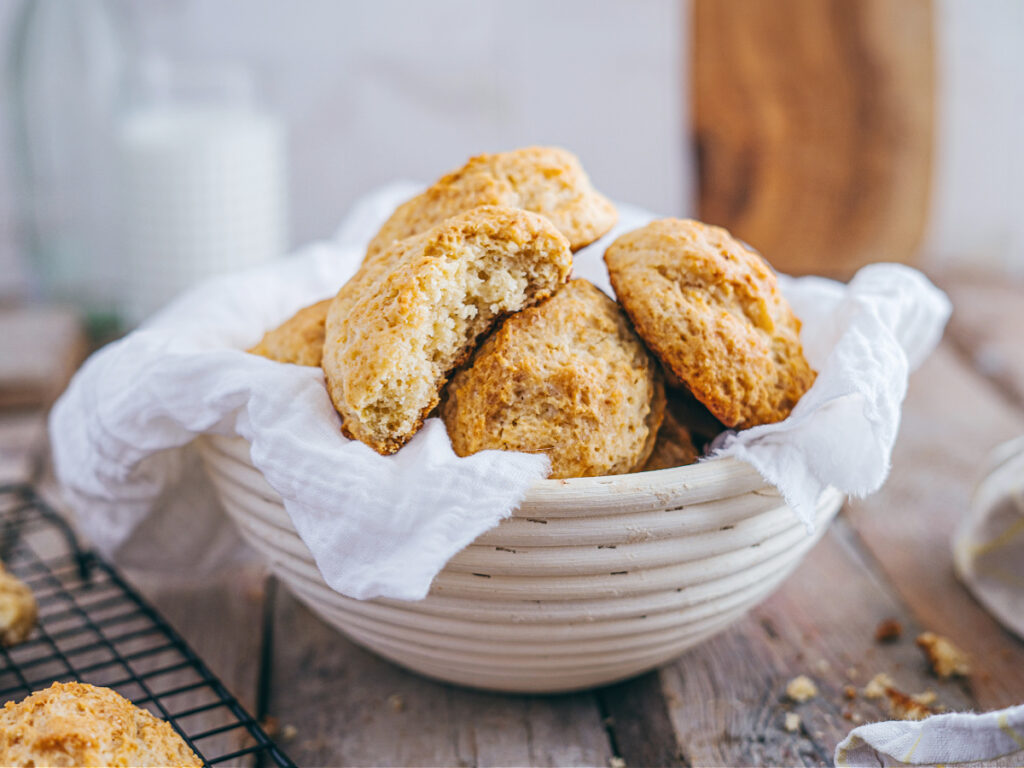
x: 792, y: 722
x: 801, y: 689
x: 945, y: 658
x: 888, y: 631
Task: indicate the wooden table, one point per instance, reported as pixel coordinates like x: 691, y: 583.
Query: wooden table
x: 722, y: 703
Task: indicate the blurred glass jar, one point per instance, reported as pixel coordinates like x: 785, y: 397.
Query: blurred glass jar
x: 65, y: 77
x: 202, y: 180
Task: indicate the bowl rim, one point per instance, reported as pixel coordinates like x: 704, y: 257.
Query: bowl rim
x: 709, y: 479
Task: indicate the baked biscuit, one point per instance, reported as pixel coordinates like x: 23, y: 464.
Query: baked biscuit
x: 712, y: 312
x: 568, y: 378
x: 386, y: 360
x: 674, y: 446
x: 84, y: 725
x: 688, y: 427
x: 546, y: 180
x: 17, y: 609
x: 299, y: 339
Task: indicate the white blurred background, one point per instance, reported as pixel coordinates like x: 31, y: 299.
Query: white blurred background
x: 369, y: 92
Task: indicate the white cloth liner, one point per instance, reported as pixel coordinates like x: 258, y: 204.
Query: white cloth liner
x: 385, y: 526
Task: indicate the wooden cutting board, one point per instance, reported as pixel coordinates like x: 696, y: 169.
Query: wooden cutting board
x: 813, y: 127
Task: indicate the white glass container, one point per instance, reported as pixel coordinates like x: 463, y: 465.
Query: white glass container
x: 203, y: 181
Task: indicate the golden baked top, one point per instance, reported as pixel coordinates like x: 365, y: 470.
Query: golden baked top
x: 387, y: 358
x: 546, y: 180
x: 711, y: 310
x: 85, y: 725
x: 568, y: 378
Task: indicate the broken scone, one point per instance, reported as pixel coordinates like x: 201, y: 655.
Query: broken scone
x: 712, y: 312
x: 568, y: 378
x: 386, y: 360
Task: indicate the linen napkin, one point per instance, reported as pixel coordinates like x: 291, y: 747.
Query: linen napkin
x: 961, y: 738
x: 385, y: 526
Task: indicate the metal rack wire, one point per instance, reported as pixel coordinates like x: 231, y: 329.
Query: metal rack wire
x: 94, y: 627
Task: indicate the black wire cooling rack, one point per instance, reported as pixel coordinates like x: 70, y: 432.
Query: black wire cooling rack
x: 95, y: 628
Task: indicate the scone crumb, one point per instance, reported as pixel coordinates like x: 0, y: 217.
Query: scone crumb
x: 888, y: 631
x: 289, y: 732
x: 397, y: 702
x: 849, y: 692
x: 876, y: 688
x: 925, y: 698
x: 792, y: 722
x: 616, y: 762
x: 801, y: 689
x: 945, y: 658
x: 903, y: 707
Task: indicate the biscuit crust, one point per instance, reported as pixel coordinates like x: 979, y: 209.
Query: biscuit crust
x: 711, y: 310
x: 299, y: 339
x: 545, y: 180
x: 18, y: 609
x: 674, y: 446
x: 387, y: 358
x: 568, y: 378
x: 85, y: 725
x: 685, y: 433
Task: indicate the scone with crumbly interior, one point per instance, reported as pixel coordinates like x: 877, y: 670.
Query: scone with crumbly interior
x: 568, y: 378
x: 17, y: 609
x: 711, y: 310
x: 386, y: 359
x: 546, y: 180
x: 85, y: 725
x: 299, y: 339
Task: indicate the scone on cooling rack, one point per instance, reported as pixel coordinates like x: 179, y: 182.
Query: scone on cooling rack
x: 568, y: 378
x: 85, y: 725
x: 17, y: 609
x: 299, y: 339
x: 712, y: 312
x: 545, y: 180
x: 386, y: 360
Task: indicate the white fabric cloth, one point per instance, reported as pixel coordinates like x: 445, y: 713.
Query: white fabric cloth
x: 988, y: 548
x: 939, y: 740
x: 384, y: 526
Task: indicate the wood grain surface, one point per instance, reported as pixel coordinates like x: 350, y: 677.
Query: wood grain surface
x: 813, y: 127
x: 724, y: 702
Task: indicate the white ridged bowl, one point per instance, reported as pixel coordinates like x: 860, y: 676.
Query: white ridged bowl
x: 591, y: 580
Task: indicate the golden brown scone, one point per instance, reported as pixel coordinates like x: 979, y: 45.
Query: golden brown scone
x: 674, y: 446
x: 386, y: 360
x: 712, y: 312
x: 546, y: 180
x: 568, y: 378
x: 299, y: 339
x: 17, y: 609
x: 84, y: 725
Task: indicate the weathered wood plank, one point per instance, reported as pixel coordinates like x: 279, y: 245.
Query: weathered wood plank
x: 40, y: 347
x: 22, y: 444
x: 727, y: 697
x: 351, y: 708
x: 952, y: 418
x: 986, y: 328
